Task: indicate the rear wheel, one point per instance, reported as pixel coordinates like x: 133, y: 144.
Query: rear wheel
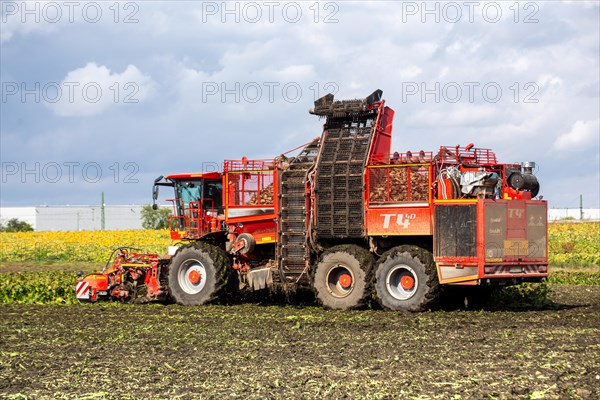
x: 197, y: 274
x: 342, y: 276
x: 406, y: 279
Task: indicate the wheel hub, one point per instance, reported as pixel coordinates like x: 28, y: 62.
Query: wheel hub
x: 407, y: 282
x: 194, y: 277
x: 340, y: 281
x: 402, y: 282
x: 345, y: 281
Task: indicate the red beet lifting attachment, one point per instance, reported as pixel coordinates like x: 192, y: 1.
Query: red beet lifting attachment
x: 132, y: 277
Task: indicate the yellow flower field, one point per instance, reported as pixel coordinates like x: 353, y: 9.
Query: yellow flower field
x: 574, y: 244
x: 84, y: 246
x: 570, y: 244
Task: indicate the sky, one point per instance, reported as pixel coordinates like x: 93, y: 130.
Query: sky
x: 106, y: 96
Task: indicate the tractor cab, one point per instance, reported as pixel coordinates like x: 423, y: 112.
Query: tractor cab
x: 197, y: 205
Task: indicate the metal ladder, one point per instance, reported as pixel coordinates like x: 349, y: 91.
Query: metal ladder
x: 292, y: 246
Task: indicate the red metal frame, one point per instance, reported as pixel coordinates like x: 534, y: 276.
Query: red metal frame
x: 262, y: 226
x: 195, y: 220
x: 248, y: 170
x: 382, y: 141
x: 460, y: 155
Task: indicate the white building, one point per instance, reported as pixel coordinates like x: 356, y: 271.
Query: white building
x: 589, y: 214
x: 75, y: 218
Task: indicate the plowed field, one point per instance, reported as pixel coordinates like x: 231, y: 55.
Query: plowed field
x: 253, y: 351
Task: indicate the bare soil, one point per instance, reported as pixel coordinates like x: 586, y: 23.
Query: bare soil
x: 256, y: 351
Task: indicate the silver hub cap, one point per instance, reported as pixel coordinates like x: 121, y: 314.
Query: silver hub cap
x: 402, y: 282
x: 192, y: 276
x: 340, y: 281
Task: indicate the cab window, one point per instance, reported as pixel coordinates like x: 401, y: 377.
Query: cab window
x: 189, y: 191
x: 213, y: 190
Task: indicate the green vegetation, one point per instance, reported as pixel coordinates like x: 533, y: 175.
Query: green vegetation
x: 574, y: 244
x: 15, y: 225
x: 59, y: 287
x: 155, y: 219
x: 526, y: 295
x: 38, y: 287
x: 574, y: 277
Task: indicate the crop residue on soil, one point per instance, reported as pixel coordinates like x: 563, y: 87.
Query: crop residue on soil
x: 253, y: 351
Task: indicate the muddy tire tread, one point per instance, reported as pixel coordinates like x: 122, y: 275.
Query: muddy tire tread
x: 421, y: 257
x: 219, y: 262
x: 365, y: 261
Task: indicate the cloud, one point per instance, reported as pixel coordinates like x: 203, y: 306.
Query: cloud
x: 459, y: 115
x: 583, y: 134
x: 187, y: 62
x: 459, y: 47
x: 93, y: 89
x: 19, y: 18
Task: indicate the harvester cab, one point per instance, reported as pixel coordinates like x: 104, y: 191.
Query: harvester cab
x: 197, y: 205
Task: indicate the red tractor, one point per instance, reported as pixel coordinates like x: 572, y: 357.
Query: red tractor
x: 345, y: 215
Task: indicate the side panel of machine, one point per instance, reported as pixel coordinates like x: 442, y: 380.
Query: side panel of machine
x: 537, y: 230
x: 514, y: 238
x: 399, y: 220
x: 456, y: 228
x: 496, y: 239
x: 455, y: 241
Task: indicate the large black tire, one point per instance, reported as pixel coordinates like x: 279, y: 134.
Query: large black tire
x: 406, y: 279
x: 342, y: 277
x: 208, y: 263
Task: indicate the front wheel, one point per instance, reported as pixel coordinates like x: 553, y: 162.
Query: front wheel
x: 406, y: 279
x: 197, y: 274
x: 341, y: 279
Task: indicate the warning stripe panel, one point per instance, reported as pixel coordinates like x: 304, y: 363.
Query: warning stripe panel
x: 81, y: 290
